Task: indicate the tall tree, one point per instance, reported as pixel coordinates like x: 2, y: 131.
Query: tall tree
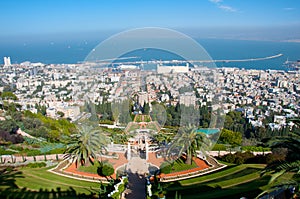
x: 8, y: 95
x: 86, y: 145
x: 230, y: 137
x: 292, y: 162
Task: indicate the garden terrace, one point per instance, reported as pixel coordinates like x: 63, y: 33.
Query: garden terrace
x: 69, y: 169
x: 203, y: 167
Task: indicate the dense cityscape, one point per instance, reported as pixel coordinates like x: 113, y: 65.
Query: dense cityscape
x: 237, y: 109
x: 62, y: 88
x: 150, y: 99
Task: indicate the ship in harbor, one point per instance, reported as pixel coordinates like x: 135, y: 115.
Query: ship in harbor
x: 292, y: 65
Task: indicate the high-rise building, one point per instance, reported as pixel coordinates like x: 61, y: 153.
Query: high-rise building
x: 7, y: 61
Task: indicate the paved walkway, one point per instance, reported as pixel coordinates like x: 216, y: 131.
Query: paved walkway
x: 136, y: 169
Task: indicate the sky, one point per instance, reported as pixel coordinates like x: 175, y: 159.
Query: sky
x: 252, y: 19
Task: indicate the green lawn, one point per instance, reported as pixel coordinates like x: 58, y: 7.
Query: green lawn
x: 90, y: 168
x: 229, y: 171
x: 152, y: 126
x: 234, y: 181
x: 176, y: 166
x: 133, y: 126
x: 38, y: 182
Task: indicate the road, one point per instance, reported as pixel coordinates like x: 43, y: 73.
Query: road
x: 136, y: 169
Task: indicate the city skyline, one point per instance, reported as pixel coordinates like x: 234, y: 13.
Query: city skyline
x: 276, y: 20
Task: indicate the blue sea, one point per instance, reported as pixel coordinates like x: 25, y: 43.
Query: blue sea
x: 219, y: 49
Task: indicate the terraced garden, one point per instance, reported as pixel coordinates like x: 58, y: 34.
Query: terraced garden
x: 39, y: 183
x: 235, y: 181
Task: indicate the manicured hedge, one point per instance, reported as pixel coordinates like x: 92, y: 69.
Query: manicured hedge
x: 249, y: 158
x: 36, y: 165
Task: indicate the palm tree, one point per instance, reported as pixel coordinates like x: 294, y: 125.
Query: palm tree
x: 292, y: 162
x: 85, y: 145
x: 187, y: 140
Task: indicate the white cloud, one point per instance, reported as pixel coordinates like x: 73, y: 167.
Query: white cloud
x: 227, y: 8
x: 289, y: 9
x: 215, y: 1
x: 220, y: 5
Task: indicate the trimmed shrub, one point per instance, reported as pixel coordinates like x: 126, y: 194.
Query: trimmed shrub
x: 105, y: 170
x: 56, y: 151
x: 230, y: 158
x: 116, y: 195
x: 255, y: 148
x: 36, y: 165
x: 250, y: 158
x: 219, y: 147
x: 5, y: 152
x: 238, y: 157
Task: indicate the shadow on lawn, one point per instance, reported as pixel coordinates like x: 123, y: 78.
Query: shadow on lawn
x: 248, y: 189
x: 9, y: 189
x: 43, y: 194
x: 8, y: 177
